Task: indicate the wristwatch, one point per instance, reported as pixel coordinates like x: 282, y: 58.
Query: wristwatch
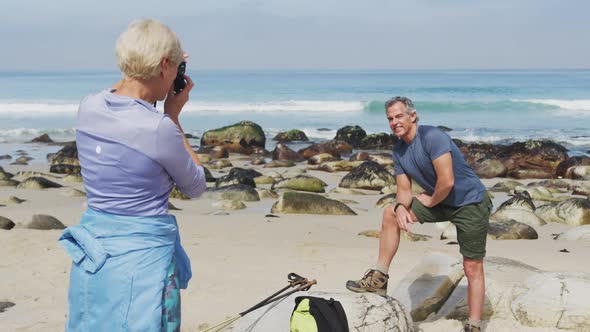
x: 398, y: 204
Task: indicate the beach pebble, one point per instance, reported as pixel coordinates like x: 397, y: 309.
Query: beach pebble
x: 573, y: 211
x: 365, y: 312
x: 239, y: 192
x: 230, y: 205
x: 6, y: 224
x: 506, y: 186
x: 369, y: 175
x: 72, y: 192
x: 5, y: 305
x: 321, y: 158
x: 265, y: 193
x: 44, y: 222
x: 307, y: 203
x: 301, y: 183
x: 279, y: 163
x: 511, y: 230
x: 13, y: 200
x: 38, y: 183
x: 5, y: 156
x: 219, y: 164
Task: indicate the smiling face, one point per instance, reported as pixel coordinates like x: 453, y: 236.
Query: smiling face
x: 402, y: 124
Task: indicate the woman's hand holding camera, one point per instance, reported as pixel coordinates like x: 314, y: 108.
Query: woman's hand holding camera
x: 175, y: 101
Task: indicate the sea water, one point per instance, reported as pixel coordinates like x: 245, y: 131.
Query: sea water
x: 495, y: 106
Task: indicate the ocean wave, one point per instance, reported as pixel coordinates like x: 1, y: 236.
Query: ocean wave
x: 20, y: 135
x: 574, y: 105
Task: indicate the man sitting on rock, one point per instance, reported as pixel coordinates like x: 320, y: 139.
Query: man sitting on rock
x: 452, y: 192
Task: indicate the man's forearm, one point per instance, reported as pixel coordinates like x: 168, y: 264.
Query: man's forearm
x: 441, y: 191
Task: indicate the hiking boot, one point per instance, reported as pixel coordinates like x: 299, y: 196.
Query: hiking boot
x: 373, y: 281
x: 471, y: 328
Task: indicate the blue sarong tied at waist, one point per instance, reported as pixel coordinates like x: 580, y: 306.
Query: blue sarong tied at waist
x: 119, y: 268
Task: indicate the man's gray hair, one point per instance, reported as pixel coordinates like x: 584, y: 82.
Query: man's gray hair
x: 410, y: 109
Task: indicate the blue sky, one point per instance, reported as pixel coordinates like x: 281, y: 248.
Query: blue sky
x: 306, y: 34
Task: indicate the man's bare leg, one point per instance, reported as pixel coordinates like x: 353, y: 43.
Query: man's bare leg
x: 475, y: 287
x: 389, y: 239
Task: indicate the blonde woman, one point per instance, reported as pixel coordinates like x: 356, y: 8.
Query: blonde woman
x: 128, y: 263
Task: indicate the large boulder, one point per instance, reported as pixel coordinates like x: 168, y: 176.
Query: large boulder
x: 533, y: 158
x: 365, y: 312
x: 553, y: 300
x: 290, y: 136
x: 42, y: 139
x: 5, y: 175
x: 368, y: 175
x: 283, y: 152
x: 306, y: 203
x: 321, y: 158
x: 241, y: 137
x: 65, y: 161
x: 580, y: 233
x: 506, y: 186
x: 236, y: 192
x: 352, y: 135
x: 427, y: 286
x: 380, y: 141
x: 37, y: 183
x: 501, y: 276
x: 578, y: 172
x: 280, y: 163
x: 519, y: 200
x: 335, y: 148
x: 574, y: 212
x: 301, y: 183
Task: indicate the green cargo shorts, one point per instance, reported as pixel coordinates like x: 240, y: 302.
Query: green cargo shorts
x: 472, y: 222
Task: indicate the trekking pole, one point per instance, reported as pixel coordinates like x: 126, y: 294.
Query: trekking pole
x: 295, y: 280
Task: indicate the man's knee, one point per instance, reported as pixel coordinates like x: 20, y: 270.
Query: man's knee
x: 473, y: 268
x: 389, y: 217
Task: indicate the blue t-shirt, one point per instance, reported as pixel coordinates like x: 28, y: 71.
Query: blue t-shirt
x: 415, y: 160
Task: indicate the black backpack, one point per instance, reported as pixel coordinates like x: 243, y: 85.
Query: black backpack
x: 315, y: 314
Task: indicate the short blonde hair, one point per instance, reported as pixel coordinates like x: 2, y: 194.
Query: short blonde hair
x: 141, y: 48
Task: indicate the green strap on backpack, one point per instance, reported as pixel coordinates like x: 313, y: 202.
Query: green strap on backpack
x: 315, y: 314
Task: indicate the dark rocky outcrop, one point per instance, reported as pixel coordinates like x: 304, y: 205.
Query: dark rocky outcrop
x: 236, y: 192
x: 511, y: 230
x: 380, y: 141
x: 352, y: 135
x: 42, y: 139
x: 38, y: 183
x: 291, y: 136
x: 65, y: 161
x: 369, y: 175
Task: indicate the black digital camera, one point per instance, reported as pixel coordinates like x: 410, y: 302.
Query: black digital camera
x: 179, y: 82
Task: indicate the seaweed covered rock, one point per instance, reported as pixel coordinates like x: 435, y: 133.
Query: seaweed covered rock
x: 241, y: 137
x: 306, y: 203
x: 369, y: 175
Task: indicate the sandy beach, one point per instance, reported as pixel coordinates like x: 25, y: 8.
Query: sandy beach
x: 239, y: 257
